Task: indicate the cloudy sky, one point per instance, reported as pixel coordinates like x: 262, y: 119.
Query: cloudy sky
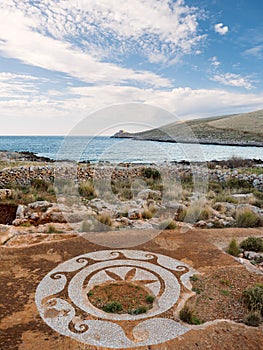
x: 61, y: 60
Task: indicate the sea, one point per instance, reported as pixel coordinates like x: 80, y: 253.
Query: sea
x: 106, y: 149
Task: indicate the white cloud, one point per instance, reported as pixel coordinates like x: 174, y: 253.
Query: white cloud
x: 214, y: 61
x: 231, y: 79
x: 108, y: 28
x: 20, y: 41
x: 221, y: 29
x: 256, y: 51
x: 17, y: 86
x: 58, y: 113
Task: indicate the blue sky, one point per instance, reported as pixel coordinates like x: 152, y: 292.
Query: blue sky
x: 62, y: 60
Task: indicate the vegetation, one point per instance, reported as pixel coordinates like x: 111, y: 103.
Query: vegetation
x: 188, y: 315
x: 37, y: 190
x: 167, y: 225
x: 151, y: 173
x: 121, y: 297
x: 148, y: 212
x: 105, y: 219
x: 194, y: 278
x: 252, y: 243
x: 253, y: 298
x: 247, y: 218
x: 113, y: 307
x: 233, y: 247
x: 253, y: 319
x: 52, y: 229
x: 138, y: 311
x: 87, y: 190
x: 150, y: 299
x: 239, y: 129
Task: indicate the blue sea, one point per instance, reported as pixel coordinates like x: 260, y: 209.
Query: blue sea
x: 100, y: 148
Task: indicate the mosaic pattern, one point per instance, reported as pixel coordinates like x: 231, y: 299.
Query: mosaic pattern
x: 62, y: 301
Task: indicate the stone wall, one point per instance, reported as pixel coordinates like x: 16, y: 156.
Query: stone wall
x: 23, y: 175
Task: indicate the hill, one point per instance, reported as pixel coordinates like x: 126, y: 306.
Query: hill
x: 236, y: 129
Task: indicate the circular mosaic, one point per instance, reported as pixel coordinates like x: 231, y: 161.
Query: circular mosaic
x: 62, y: 298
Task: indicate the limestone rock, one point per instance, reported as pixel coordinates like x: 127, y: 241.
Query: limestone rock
x: 5, y: 193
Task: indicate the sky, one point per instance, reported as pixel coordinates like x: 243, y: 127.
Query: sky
x: 65, y: 60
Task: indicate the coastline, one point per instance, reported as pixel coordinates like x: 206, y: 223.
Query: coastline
x: 199, y: 141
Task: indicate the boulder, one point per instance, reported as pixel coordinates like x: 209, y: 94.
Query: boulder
x: 5, y: 233
x: 52, y: 215
x: 149, y: 194
x: 40, y: 205
x: 5, y: 193
x: 141, y: 225
x: 135, y: 214
x: 20, y: 212
x: 252, y: 208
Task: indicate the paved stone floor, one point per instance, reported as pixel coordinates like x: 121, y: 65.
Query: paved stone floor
x: 61, y: 298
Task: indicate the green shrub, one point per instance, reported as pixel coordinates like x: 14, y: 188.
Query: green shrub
x: 194, y: 278
x: 113, y: 307
x: 252, y: 243
x: 138, y: 311
x: 247, y: 218
x: 235, y: 183
x: 253, y: 319
x: 253, y: 298
x: 233, y: 248
x: 151, y: 173
x: 150, y: 299
x: 187, y: 315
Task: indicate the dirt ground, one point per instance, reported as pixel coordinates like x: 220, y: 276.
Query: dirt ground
x: 23, y: 267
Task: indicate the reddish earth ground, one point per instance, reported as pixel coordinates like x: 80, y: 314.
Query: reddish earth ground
x: 129, y: 295
x: 22, y: 268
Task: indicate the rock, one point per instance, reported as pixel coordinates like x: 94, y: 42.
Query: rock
x: 34, y: 217
x: 5, y: 193
x: 5, y: 234
x: 250, y: 255
x: 141, y: 225
x: 242, y: 195
x: 52, y: 215
x: 20, y: 212
x: 40, y: 205
x: 175, y: 205
x: 201, y: 224
x: 252, y: 208
x: 124, y: 221
x: 149, y: 194
x: 135, y: 214
x: 77, y: 216
x: 19, y: 222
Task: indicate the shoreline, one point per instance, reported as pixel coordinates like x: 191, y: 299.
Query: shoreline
x: 201, y: 142
x: 26, y: 156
